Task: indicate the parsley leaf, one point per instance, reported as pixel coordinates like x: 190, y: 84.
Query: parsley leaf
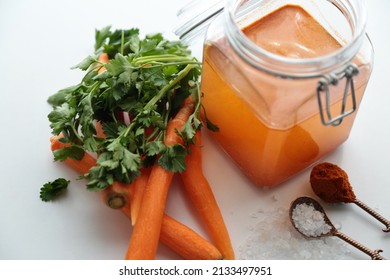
x: 86, y: 63
x: 51, y: 190
x: 68, y: 152
x: 173, y: 158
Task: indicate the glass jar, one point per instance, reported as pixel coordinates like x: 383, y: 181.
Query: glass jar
x: 283, y: 80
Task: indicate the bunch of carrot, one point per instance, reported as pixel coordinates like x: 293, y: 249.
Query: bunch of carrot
x: 144, y: 201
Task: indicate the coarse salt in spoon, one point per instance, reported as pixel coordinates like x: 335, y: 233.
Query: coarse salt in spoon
x: 309, y: 219
x: 330, y: 183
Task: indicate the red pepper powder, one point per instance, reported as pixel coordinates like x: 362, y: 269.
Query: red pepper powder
x: 330, y: 183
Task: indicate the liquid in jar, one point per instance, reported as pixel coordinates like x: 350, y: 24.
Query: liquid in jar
x: 270, y: 125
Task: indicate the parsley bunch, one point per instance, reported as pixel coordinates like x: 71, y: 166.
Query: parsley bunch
x: 148, y: 79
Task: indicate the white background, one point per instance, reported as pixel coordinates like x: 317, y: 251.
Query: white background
x: 40, y: 40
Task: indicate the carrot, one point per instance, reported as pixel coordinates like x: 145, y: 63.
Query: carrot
x: 178, y: 122
x: 99, y: 130
x: 137, y: 193
x: 186, y: 242
x: 199, y: 191
x: 114, y: 196
x: 127, y: 197
x: 103, y: 58
x: 146, y: 233
x: 81, y: 166
x: 180, y: 238
x: 117, y: 196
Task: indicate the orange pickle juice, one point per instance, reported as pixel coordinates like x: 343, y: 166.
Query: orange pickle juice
x: 271, y: 125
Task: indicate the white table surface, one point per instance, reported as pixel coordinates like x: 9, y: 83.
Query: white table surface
x: 42, y: 39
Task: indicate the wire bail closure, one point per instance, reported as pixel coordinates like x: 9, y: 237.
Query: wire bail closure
x: 324, y: 87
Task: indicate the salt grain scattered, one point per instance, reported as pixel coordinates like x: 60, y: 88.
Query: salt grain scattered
x: 272, y: 237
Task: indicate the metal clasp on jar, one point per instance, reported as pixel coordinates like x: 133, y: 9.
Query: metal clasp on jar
x: 323, y: 87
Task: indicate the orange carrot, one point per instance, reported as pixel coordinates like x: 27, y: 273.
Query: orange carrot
x: 103, y: 58
x: 186, y: 242
x: 117, y: 196
x: 180, y: 238
x: 81, y: 166
x: 146, y: 233
x: 127, y: 197
x: 199, y: 191
x: 114, y: 196
x: 137, y: 193
x: 178, y: 122
x: 99, y: 130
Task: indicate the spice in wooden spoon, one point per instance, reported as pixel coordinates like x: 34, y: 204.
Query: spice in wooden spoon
x: 330, y: 183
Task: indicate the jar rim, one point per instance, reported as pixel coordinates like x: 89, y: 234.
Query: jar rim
x: 297, y: 67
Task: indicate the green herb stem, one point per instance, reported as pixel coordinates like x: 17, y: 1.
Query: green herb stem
x: 183, y: 73
x: 163, y: 58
